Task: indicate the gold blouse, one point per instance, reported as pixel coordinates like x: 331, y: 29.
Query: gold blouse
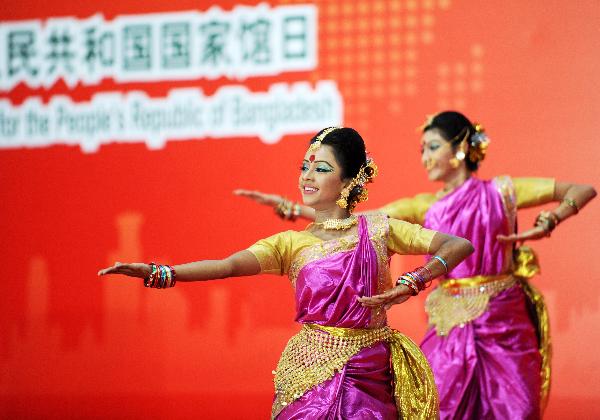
x: 276, y: 254
x: 529, y: 192
x: 533, y: 191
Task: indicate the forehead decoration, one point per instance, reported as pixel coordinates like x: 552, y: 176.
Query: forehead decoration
x: 317, y: 143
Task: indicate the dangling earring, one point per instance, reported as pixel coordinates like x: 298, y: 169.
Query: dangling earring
x: 459, y: 157
x: 343, y: 200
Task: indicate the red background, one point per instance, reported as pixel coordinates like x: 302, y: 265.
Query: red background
x: 74, y: 345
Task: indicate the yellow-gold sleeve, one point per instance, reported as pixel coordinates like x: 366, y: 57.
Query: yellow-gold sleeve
x: 274, y: 254
x: 409, y: 238
x: 411, y: 209
x: 533, y: 191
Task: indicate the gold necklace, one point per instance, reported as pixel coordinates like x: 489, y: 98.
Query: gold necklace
x: 338, y: 224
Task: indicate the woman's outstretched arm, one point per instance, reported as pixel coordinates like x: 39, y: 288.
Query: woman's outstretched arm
x: 279, y: 203
x: 572, y: 198
x: 410, y: 209
x: 242, y: 263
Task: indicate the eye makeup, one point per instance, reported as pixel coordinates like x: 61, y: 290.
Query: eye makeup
x: 321, y: 166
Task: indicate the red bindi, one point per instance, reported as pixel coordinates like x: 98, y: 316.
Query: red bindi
x: 311, y: 158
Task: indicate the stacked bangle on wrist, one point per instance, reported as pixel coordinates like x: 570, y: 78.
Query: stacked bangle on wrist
x: 417, y: 280
x: 548, y: 221
x: 288, y: 210
x: 161, y: 276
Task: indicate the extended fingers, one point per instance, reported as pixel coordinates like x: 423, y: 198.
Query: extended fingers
x: 507, y: 238
x: 118, y: 268
x: 377, y: 300
x: 523, y: 236
x: 244, y: 193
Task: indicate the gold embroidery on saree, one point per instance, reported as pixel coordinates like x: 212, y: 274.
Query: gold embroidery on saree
x: 525, y: 266
x: 313, y: 356
x: 317, y: 353
x: 458, y: 301
x: 380, y: 227
x: 506, y: 189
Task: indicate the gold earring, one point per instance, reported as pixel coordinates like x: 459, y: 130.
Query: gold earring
x: 458, y: 157
x: 343, y: 200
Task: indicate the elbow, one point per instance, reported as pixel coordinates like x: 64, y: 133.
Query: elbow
x: 466, y: 246
x: 587, y: 191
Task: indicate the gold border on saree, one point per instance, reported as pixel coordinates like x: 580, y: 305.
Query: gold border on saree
x: 470, y: 286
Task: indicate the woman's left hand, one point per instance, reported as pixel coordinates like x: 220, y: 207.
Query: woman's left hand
x: 395, y: 296
x: 532, y: 234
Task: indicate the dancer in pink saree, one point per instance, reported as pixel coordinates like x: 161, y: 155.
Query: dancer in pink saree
x: 345, y: 363
x: 489, y: 342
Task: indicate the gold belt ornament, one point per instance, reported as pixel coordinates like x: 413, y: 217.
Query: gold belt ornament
x: 458, y: 301
x: 317, y: 352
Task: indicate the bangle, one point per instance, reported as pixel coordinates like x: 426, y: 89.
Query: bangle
x: 287, y: 209
x: 172, y: 275
x: 161, y: 276
x: 571, y: 203
x: 149, y: 281
x: 418, y: 279
x: 443, y: 261
x: 547, y: 221
x: 410, y: 283
x: 280, y: 208
x: 428, y: 277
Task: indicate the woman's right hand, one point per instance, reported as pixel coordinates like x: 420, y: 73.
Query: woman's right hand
x: 394, y: 296
x: 272, y: 200
x: 140, y: 270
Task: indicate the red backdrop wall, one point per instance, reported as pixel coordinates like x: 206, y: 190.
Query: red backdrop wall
x: 79, y: 346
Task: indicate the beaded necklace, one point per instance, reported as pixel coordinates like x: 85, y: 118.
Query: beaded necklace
x: 338, y: 224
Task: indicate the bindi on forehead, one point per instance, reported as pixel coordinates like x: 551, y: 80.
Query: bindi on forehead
x: 311, y: 158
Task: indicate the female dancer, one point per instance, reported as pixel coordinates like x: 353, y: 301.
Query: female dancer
x: 489, y: 345
x: 338, y: 365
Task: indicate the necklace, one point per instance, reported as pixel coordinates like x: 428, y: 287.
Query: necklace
x: 338, y: 224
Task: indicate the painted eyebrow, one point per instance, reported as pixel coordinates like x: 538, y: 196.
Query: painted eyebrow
x: 318, y: 161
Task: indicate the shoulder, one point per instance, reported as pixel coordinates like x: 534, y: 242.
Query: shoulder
x: 378, y: 223
x: 502, y: 179
x: 425, y: 197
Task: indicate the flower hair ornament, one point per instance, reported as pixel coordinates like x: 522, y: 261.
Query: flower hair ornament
x: 474, y: 146
x: 478, y: 144
x: 367, y: 172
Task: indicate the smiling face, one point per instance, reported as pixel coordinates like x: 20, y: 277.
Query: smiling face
x: 436, y: 153
x: 321, y: 178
